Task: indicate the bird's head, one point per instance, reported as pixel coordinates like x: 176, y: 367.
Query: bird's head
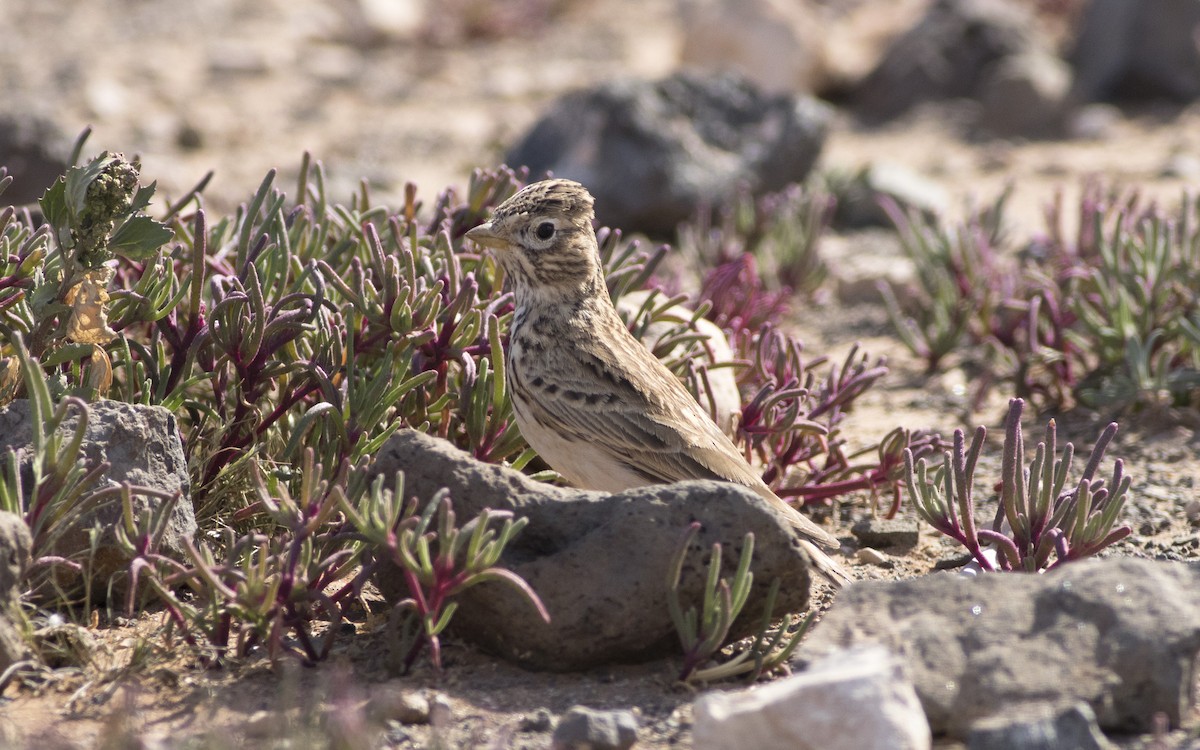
x: 543, y: 237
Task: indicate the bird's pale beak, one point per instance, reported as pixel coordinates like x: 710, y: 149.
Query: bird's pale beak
x: 486, y: 236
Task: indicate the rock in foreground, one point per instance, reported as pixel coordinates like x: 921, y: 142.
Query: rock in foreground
x: 598, y: 561
x: 141, y: 444
x: 1120, y: 634
x: 857, y: 700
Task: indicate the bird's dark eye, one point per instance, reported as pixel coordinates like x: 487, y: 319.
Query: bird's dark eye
x: 545, y: 230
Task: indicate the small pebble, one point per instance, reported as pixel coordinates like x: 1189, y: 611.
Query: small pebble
x: 882, y: 533
x: 874, y: 557
x: 588, y: 729
x: 1192, y: 511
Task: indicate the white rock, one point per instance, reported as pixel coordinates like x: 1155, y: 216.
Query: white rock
x: 396, y: 18
x: 871, y: 556
x: 857, y: 699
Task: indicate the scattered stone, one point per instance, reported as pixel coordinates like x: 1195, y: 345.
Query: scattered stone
x: 1121, y: 634
x: 1192, y: 511
x: 1094, y: 122
x: 946, y: 55
x: 230, y: 59
x: 34, y: 151
x: 1131, y: 48
x: 859, y: 198
x: 15, y: 544
x: 882, y: 533
x: 809, y: 710
x: 587, y: 729
x: 541, y: 720
x: 1040, y: 728
x: 1025, y: 95
x: 394, y: 703
x: 142, y: 446
x: 870, y: 556
x: 774, y: 43
x: 954, y: 563
x: 860, y: 262
x: 653, y: 153
x: 598, y: 561
x: 856, y: 37
x: 189, y: 137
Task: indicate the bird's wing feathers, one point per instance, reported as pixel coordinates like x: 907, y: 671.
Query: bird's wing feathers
x: 640, y: 410
x: 641, y: 415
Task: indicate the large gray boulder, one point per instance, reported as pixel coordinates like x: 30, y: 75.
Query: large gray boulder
x: 1120, y: 634
x: 1043, y: 728
x: 653, y: 153
x: 948, y: 54
x: 143, y: 447
x: 599, y: 562
x: 1138, y: 49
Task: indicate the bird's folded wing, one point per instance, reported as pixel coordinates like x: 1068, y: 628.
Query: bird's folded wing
x: 646, y: 420
x: 663, y: 445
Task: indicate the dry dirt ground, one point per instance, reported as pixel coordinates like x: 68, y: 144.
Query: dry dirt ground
x: 245, y: 87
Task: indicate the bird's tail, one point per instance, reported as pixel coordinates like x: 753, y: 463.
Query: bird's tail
x: 826, y: 565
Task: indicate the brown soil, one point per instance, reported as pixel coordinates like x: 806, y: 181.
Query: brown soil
x: 245, y: 87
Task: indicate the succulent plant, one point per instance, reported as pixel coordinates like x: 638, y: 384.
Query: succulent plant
x: 1038, y: 516
x: 1107, y: 318
x: 292, y: 337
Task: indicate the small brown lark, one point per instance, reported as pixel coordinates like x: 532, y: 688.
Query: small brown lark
x: 588, y: 397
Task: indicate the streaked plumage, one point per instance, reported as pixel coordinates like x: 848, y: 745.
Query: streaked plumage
x: 589, y: 397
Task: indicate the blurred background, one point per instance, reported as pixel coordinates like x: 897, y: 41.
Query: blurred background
x: 957, y: 97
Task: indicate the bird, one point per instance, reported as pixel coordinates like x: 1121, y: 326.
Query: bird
x: 588, y: 397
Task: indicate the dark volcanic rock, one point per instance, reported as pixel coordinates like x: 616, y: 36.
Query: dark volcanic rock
x: 35, y: 153
x: 587, y: 729
x: 1138, y: 49
x: 1026, y: 95
x: 1040, y: 728
x: 653, y: 153
x: 1120, y: 634
x: 946, y: 55
x: 598, y: 561
x: 881, y: 533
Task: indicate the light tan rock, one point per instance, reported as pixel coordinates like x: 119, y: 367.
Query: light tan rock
x: 852, y: 700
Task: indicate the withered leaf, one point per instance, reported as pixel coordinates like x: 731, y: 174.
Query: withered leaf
x: 89, y: 320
